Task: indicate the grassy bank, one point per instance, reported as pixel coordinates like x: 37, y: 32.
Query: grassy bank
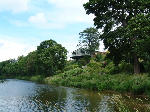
x: 96, y: 76
x: 136, y: 84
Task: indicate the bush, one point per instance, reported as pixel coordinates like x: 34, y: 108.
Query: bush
x: 137, y: 84
x: 94, y: 67
x: 70, y: 67
x: 125, y: 67
x: 140, y: 84
x: 84, y: 61
x: 110, y: 68
x: 99, y: 58
x: 73, y: 72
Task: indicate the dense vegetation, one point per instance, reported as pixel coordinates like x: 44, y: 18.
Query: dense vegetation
x: 125, y: 25
x: 89, y: 40
x: 49, y: 58
x: 126, y: 35
x: 101, y: 74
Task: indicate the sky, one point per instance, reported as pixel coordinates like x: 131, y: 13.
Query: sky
x: 24, y: 24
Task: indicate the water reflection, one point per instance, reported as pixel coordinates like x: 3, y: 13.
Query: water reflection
x: 24, y: 96
x: 50, y: 98
x: 2, y: 81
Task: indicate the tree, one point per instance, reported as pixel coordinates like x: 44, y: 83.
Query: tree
x: 51, y: 57
x: 117, y: 13
x: 4, y: 67
x: 139, y: 28
x: 32, y: 63
x: 89, y: 40
x: 8, y: 67
x: 21, y: 65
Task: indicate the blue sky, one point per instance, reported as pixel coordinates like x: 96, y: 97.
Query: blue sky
x: 26, y: 23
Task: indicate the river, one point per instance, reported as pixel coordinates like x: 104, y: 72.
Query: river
x: 26, y: 96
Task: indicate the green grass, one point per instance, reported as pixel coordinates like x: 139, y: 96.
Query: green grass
x: 136, y: 84
x: 83, y: 78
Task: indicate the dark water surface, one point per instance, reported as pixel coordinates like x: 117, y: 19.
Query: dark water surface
x: 26, y: 96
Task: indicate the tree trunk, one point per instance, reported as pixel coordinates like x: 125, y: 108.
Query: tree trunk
x: 136, y: 65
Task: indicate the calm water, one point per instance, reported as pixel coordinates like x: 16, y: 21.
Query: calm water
x: 25, y: 96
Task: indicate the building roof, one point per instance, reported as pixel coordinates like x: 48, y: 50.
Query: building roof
x: 79, y: 53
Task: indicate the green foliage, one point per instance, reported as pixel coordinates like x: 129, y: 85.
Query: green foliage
x: 89, y: 40
x: 138, y: 84
x: 125, y: 67
x: 100, y: 57
x: 32, y: 63
x: 96, y: 76
x: 84, y: 61
x: 94, y: 67
x: 51, y: 57
x: 110, y: 68
x: 113, y: 12
x: 131, y: 33
x: 138, y: 29
x: 147, y: 66
x: 71, y: 65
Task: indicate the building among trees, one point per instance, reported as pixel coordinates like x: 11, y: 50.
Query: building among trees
x: 79, y: 53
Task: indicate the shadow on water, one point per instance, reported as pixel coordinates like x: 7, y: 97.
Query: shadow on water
x: 2, y: 81
x: 25, y: 96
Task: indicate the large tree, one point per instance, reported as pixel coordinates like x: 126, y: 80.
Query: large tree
x: 51, y: 57
x: 139, y: 28
x: 113, y: 17
x: 89, y: 40
x: 32, y: 63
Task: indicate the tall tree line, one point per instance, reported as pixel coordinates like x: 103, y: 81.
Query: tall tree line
x: 49, y: 58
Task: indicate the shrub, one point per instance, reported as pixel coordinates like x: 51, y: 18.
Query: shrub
x: 125, y: 67
x: 70, y: 67
x: 99, y: 58
x: 94, y: 67
x: 110, y: 68
x: 140, y: 84
x: 84, y: 61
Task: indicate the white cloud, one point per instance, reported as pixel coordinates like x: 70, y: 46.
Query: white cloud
x: 71, y: 11
x: 19, y: 23
x: 62, y: 13
x: 67, y: 3
x: 10, y: 48
x: 40, y: 20
x: 14, y: 5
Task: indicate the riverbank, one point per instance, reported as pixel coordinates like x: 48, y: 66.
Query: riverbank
x: 135, y: 84
x: 123, y: 83
x: 36, y: 78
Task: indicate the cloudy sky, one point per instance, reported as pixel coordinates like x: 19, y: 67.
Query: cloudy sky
x: 26, y: 23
